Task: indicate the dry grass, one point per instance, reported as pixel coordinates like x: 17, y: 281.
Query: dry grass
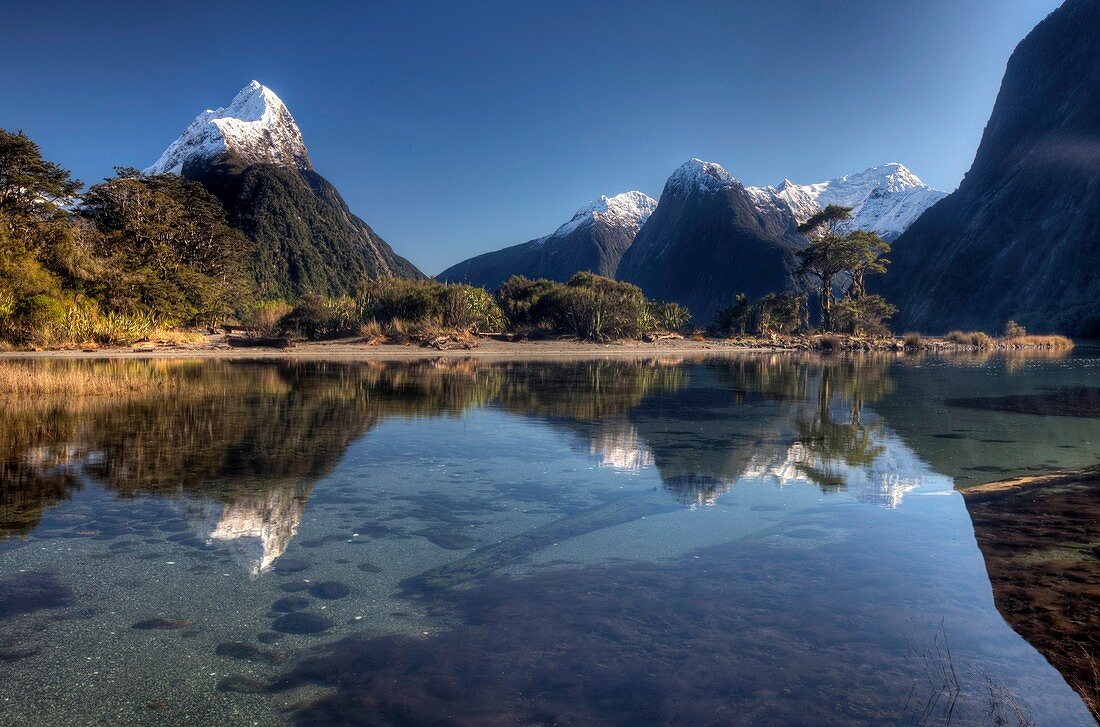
x: 913, y: 341
x: 1053, y: 342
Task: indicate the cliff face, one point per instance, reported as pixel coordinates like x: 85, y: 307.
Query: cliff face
x: 1020, y: 238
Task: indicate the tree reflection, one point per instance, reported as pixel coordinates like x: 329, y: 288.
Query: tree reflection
x: 246, y: 441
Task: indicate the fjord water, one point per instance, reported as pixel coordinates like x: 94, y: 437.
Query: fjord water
x: 763, y: 539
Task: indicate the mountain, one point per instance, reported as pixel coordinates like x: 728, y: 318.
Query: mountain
x: 886, y: 199
x: 709, y: 239
x: 594, y: 239
x: 251, y: 156
x: 1020, y: 238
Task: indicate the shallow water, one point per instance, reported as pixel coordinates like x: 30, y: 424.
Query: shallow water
x: 759, y: 539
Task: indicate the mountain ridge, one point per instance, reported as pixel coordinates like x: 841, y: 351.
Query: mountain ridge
x: 252, y: 157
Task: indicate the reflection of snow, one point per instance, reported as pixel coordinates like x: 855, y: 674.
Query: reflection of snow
x: 620, y: 448
x: 895, y: 471
x: 258, y: 527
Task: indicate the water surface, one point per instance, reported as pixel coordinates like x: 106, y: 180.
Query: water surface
x: 759, y: 539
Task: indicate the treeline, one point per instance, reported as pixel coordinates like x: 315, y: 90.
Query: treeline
x: 132, y: 255
x: 135, y: 255
x: 588, y: 306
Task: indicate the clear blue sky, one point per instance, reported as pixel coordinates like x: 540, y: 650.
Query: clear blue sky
x: 456, y: 128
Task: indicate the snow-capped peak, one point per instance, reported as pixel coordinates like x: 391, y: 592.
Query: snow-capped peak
x: 697, y: 174
x: 628, y: 210
x: 256, y: 126
x: 885, y: 199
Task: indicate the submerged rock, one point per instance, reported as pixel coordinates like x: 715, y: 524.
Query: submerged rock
x: 329, y: 590
x: 237, y: 650
x: 289, y: 604
x: 301, y: 622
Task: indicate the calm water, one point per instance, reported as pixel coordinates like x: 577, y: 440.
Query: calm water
x: 764, y: 539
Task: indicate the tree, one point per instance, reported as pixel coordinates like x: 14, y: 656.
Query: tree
x: 857, y: 253
x: 169, y: 246
x: 30, y: 187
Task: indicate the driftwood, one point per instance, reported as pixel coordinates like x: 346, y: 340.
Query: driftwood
x: 260, y: 342
x: 446, y: 343
x: 654, y: 337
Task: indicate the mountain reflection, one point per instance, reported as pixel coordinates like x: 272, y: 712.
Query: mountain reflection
x: 240, y: 444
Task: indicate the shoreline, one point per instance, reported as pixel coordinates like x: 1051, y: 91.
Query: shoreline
x: 216, y: 347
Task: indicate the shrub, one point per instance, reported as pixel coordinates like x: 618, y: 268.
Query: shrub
x: 865, y: 315
x: 981, y: 340
x: 733, y: 318
x: 962, y: 339
x: 520, y: 298
x: 316, y: 317
x: 667, y: 316
x: 468, y: 308
x: 774, y: 313
x: 828, y: 342
x: 913, y: 341
x: 1014, y: 330
x: 266, y: 316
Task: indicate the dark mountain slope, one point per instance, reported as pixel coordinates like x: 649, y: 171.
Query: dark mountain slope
x: 710, y: 239
x: 1020, y: 238
x: 307, y: 238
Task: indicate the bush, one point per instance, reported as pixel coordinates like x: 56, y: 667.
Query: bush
x: 520, y: 298
x: 589, y: 306
x: 316, y: 317
x: 667, y: 316
x: 913, y: 341
x: 865, y: 315
x: 733, y: 318
x: 266, y: 316
x: 775, y: 313
x: 977, y: 339
x: 470, y: 309
x: 1014, y: 330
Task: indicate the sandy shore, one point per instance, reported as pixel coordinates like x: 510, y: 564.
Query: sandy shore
x: 353, y: 349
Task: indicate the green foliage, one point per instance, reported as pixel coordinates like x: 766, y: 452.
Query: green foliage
x: 30, y: 186
x: 589, y: 306
x: 829, y: 255
x: 520, y: 298
x: 778, y: 313
x: 865, y: 315
x: 169, y: 247
x: 265, y: 316
x: 316, y: 317
x: 668, y: 316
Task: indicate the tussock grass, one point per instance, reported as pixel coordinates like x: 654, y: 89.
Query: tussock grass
x: 1060, y: 343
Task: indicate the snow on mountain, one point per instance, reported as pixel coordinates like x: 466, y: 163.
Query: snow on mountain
x: 885, y: 199
x: 700, y: 175
x: 256, y: 125
x: 627, y: 211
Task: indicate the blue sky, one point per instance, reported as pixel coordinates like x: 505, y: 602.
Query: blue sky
x: 456, y: 128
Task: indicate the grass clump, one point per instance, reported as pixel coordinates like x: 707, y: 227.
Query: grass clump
x: 913, y: 341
